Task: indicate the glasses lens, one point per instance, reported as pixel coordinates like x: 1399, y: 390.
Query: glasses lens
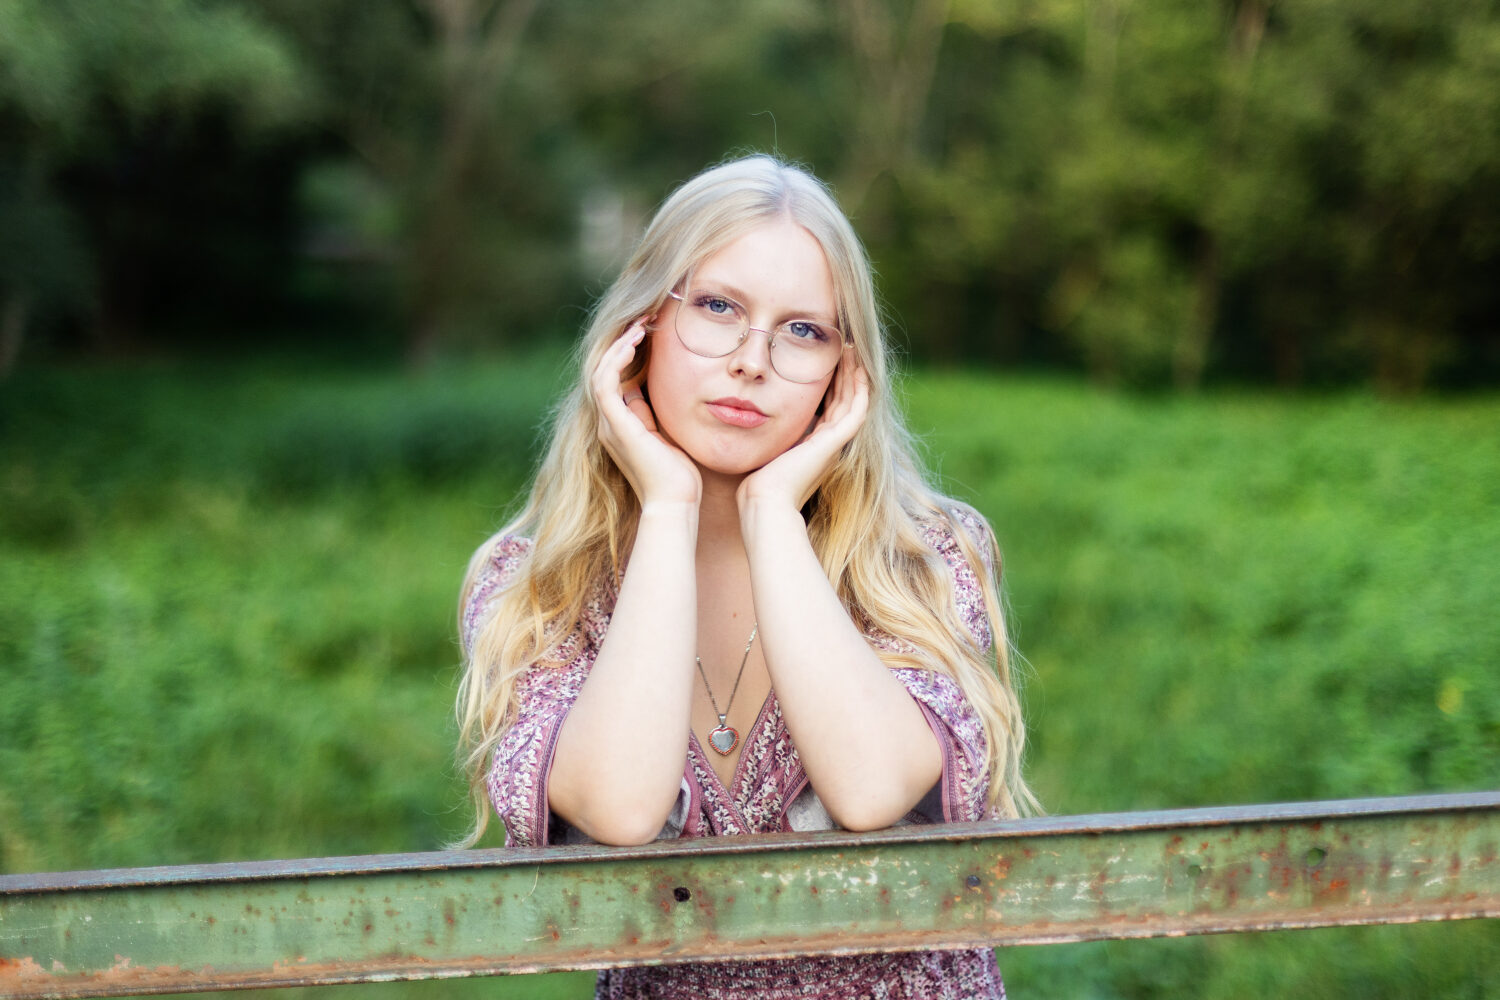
x: 712, y: 325
x: 804, y: 351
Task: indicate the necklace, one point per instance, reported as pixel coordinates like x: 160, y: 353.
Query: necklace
x: 724, y: 738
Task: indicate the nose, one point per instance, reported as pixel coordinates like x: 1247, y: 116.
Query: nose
x: 750, y: 358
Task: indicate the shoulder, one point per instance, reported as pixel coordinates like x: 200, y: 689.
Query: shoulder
x: 959, y: 533
x: 496, y: 564
x: 966, y: 543
x: 493, y: 567
x: 503, y: 552
x: 964, y: 540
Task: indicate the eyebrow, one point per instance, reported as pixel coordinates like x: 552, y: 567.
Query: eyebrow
x: 739, y: 295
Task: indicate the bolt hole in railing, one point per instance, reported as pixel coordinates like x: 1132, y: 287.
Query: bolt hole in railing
x: 1039, y: 881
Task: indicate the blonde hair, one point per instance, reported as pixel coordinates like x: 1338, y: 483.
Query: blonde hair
x: 864, y: 522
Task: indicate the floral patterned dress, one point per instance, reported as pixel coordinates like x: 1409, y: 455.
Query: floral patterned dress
x: 769, y: 792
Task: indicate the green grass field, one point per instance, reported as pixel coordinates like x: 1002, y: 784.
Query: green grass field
x: 228, y: 626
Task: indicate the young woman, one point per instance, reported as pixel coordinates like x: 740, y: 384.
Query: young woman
x: 732, y: 604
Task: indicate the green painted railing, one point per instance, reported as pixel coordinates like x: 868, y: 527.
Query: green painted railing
x: 1071, y: 878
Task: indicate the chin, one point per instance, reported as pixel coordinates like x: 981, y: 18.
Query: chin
x: 728, y: 466
x: 733, y: 461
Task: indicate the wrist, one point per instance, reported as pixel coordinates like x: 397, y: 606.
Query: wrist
x: 761, y: 517
x: 673, y: 495
x: 665, y: 515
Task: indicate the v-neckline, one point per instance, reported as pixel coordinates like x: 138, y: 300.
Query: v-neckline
x: 737, y: 779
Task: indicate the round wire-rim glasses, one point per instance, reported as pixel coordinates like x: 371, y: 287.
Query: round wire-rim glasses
x: 714, y: 325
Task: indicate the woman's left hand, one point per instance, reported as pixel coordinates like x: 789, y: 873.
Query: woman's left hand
x: 793, y: 476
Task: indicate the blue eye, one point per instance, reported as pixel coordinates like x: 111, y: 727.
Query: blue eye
x: 807, y: 331
x: 716, y: 308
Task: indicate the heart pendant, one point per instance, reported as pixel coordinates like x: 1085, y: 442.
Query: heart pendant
x: 723, y: 739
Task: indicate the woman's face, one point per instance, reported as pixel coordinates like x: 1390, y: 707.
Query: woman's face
x: 732, y: 415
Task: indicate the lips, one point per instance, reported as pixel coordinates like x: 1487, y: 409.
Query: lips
x: 737, y: 412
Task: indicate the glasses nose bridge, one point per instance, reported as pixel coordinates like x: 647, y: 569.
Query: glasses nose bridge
x: 744, y: 340
x: 771, y: 334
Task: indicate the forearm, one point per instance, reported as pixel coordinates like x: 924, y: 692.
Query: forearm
x: 619, y: 757
x: 867, y: 747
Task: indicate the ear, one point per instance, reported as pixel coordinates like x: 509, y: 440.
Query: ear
x: 640, y: 365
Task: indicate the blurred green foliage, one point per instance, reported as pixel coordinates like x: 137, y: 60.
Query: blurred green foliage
x: 1160, y: 194
x: 1292, y: 597
x: 228, y: 631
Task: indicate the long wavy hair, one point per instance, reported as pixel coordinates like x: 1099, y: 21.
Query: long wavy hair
x: 865, y: 521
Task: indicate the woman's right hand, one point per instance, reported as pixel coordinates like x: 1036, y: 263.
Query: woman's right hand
x: 656, y: 469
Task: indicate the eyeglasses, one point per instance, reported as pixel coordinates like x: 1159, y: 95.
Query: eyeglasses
x: 712, y: 325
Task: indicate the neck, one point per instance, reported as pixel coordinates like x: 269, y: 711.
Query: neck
x: 719, y: 513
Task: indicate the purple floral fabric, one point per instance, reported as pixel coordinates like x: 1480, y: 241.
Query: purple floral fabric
x: 769, y: 792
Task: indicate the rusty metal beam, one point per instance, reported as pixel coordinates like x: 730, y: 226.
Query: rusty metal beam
x: 1071, y: 878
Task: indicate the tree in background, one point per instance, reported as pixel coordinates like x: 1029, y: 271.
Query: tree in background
x: 1159, y: 193
x: 86, y: 85
x: 424, y: 97
x: 1254, y: 186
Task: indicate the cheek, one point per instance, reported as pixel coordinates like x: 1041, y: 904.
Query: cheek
x: 806, y: 410
x: 665, y: 381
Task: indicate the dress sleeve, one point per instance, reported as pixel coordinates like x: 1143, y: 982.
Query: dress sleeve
x: 517, y: 779
x: 522, y: 763
x: 962, y: 794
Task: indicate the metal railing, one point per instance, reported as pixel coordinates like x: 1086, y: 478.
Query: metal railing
x: 444, y: 914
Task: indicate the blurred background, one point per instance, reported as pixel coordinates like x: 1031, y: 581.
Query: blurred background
x: 1196, y: 302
